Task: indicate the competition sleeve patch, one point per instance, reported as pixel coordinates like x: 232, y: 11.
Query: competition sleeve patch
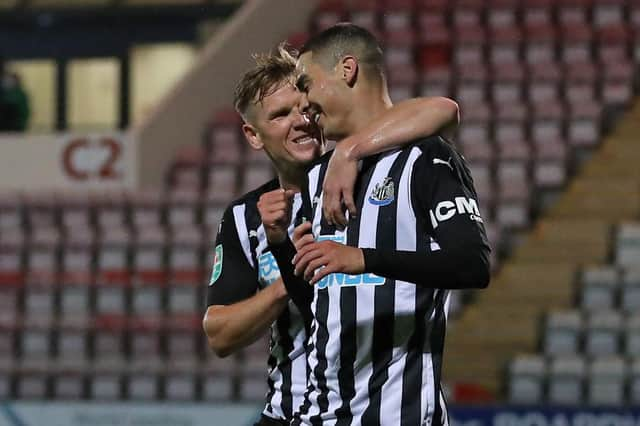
x: 217, y: 265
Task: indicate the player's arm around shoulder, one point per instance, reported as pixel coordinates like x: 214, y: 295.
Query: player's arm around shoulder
x: 399, y: 126
x: 237, y: 313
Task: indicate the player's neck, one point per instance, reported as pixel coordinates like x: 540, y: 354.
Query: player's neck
x: 292, y: 179
x: 374, y: 102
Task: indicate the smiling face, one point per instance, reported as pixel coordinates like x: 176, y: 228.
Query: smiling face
x: 327, y: 95
x: 279, y: 127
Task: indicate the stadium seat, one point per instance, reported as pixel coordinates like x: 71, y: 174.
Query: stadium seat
x: 467, y: 13
x: 544, y: 81
x: 435, y: 82
x: 609, y: 12
x: 474, y: 122
x: 75, y: 210
x: 632, y: 335
x: 536, y: 12
x: 575, y: 47
x: 72, y: 340
x: 584, y: 124
x: 634, y: 382
x: 11, y: 211
x: 219, y: 378
x: 603, y: 333
x: 144, y: 337
x: 69, y: 380
x: 527, y: 379
x: 365, y: 14
x: 469, y: 46
x: 617, y: 86
x: 435, y: 43
x: 573, y: 11
x: 180, y: 381
x: 107, y: 380
x: 472, y: 84
x: 513, y: 181
x: 502, y: 13
x: 222, y: 183
x: 36, y: 339
x: 562, y: 333
x: 108, y: 339
x: 7, y: 378
x: 32, y: 381
x: 504, y: 45
x: 550, y: 166
x: 613, y: 44
x: 142, y: 382
x: 566, y: 380
x: 508, y: 83
x: 185, y: 255
x: 149, y: 250
x: 42, y: 211
x: 630, y: 291
x: 607, y: 382
x: 183, y: 207
x: 509, y: 122
x: 147, y: 208
x: 183, y: 333
x: 540, y: 45
x: 43, y: 260
x: 327, y: 14
x: 396, y: 14
x: 110, y: 209
x: 627, y: 248
x: 548, y: 120
x: 599, y: 288
x: 9, y: 331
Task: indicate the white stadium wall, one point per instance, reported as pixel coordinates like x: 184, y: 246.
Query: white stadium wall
x: 180, y: 118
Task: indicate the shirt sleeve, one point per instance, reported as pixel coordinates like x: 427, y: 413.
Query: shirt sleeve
x: 233, y: 279
x: 446, y: 207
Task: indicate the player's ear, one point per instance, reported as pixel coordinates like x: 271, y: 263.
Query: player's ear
x: 348, y: 68
x: 251, y: 135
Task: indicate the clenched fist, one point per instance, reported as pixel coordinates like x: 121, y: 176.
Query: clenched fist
x: 275, y: 210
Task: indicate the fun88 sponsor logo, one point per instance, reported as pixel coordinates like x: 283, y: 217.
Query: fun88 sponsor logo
x: 268, y: 271
x: 346, y: 280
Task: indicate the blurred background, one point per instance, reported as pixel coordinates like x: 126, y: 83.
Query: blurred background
x: 119, y: 150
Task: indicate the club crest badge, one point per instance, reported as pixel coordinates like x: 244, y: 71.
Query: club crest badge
x: 383, y: 193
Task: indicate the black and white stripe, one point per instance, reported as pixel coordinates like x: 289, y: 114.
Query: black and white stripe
x: 287, y: 374
x: 375, y: 350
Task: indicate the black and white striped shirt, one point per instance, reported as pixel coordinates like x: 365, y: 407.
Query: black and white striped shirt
x: 242, y: 266
x: 376, y: 344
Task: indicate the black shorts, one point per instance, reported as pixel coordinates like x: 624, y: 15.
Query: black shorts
x: 268, y: 421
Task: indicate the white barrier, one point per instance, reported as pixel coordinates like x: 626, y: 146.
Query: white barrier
x: 126, y: 414
x: 67, y: 161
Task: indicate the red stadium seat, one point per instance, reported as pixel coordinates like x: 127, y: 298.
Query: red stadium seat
x: 475, y: 123
x: 468, y: 13
x: 510, y: 122
x: 185, y: 255
x: 365, y: 14
x: 435, y: 45
x: 548, y: 121
x: 469, y: 46
x: 580, y: 82
x: 608, y: 12
x: 186, y: 170
x: 436, y: 82
x: 505, y: 45
x: 537, y: 12
x: 110, y: 208
x: 12, y: 253
x: 508, y: 83
x: 223, y: 183
x: 112, y: 254
x: 397, y: 14
x: 576, y: 43
x: 502, y: 13
x: 182, y: 207
x: 78, y: 256
x: 328, y: 13
x: 544, y: 82
x: 550, y: 167
x: 148, y: 255
x: 399, y: 45
x: 540, y: 46
x: 573, y: 11
x: 146, y: 208
x: 617, y: 86
x: 613, y: 44
x: 472, y: 84
x: 584, y: 124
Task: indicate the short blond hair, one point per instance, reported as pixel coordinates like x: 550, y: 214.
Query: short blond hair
x: 270, y: 72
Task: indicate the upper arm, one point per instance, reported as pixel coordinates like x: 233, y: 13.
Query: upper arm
x: 446, y: 200
x: 233, y: 279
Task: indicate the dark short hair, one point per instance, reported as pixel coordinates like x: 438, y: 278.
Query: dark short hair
x: 270, y: 72
x: 330, y: 45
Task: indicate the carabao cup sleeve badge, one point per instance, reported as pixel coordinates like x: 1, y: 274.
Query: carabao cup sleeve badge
x: 217, y: 265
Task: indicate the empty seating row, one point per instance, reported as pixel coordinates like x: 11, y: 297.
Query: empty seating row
x: 599, y: 333
x: 609, y: 287
x: 572, y: 380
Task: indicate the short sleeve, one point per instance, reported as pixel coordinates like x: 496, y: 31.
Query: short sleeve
x: 233, y: 279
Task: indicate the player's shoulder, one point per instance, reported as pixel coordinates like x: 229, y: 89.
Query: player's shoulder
x: 318, y: 162
x: 250, y: 199
x: 436, y: 146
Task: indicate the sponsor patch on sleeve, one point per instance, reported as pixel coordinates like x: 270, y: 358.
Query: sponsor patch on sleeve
x: 217, y: 265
